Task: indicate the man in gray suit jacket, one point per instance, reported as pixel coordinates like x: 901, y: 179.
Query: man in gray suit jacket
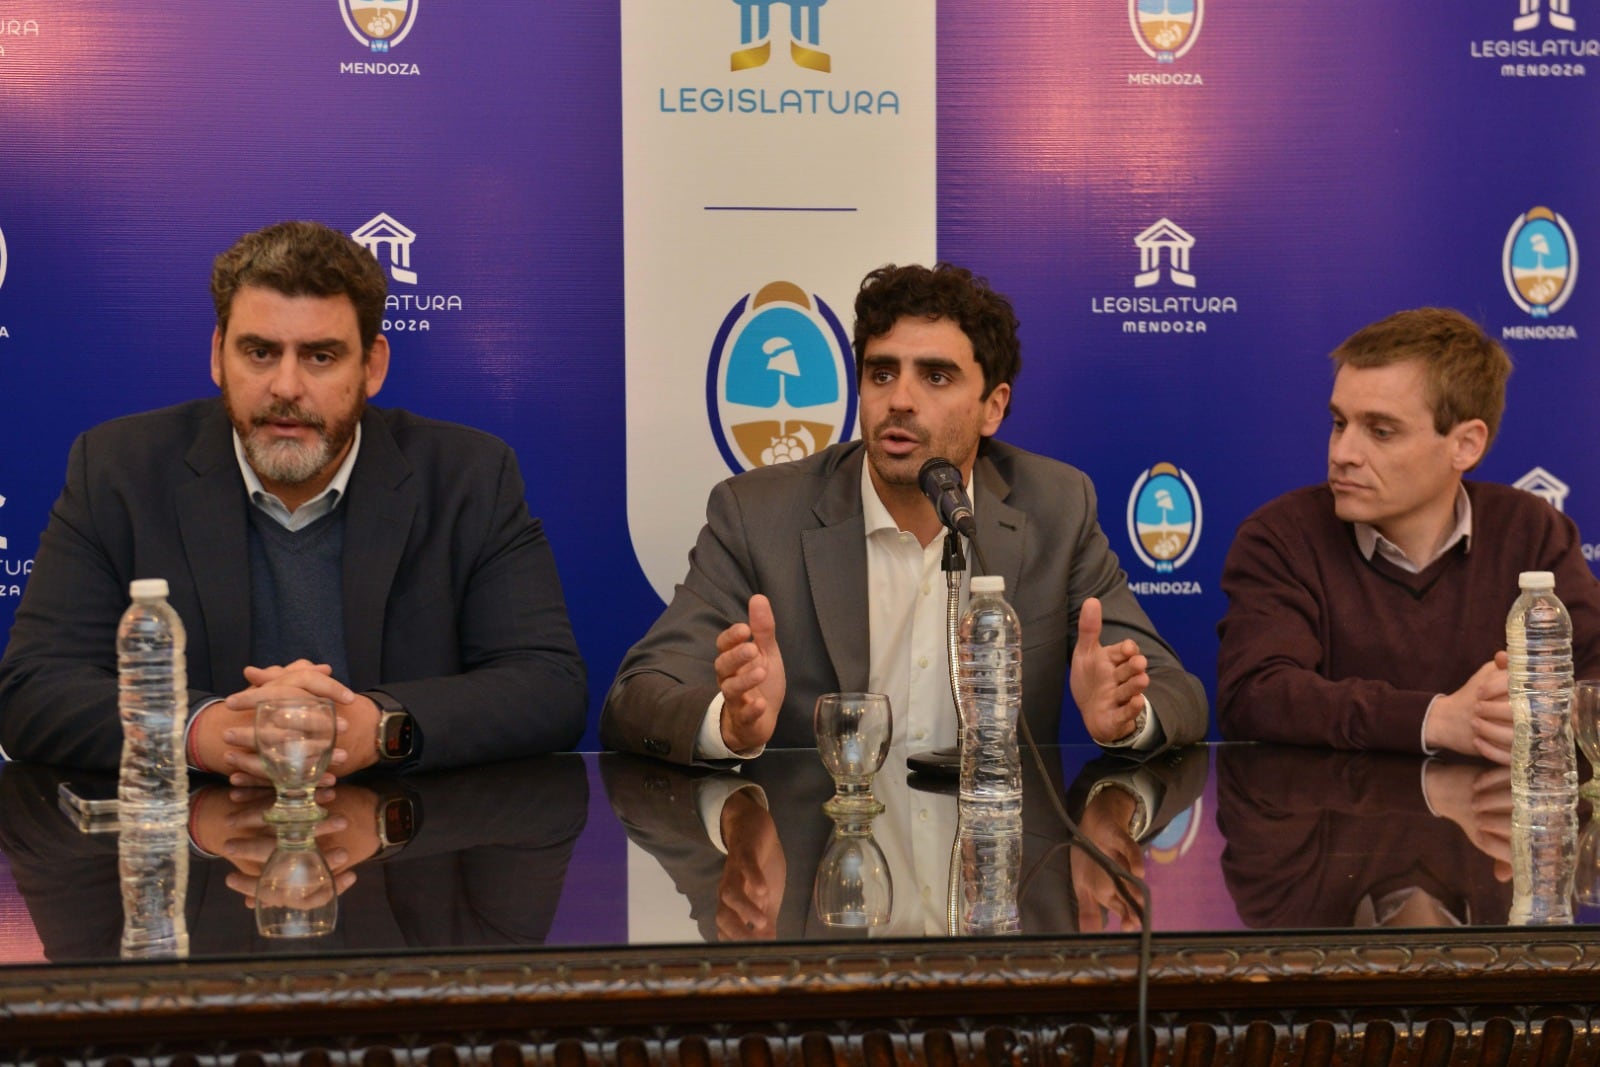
x: 311, y: 545
x: 834, y: 557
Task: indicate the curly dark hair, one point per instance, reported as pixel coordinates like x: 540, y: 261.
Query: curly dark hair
x: 302, y: 259
x: 946, y: 291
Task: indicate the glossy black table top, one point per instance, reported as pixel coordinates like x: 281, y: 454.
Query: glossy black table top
x: 607, y: 850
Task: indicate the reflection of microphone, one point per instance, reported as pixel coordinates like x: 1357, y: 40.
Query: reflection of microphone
x: 941, y: 483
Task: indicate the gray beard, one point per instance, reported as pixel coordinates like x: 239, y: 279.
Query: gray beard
x: 288, y: 462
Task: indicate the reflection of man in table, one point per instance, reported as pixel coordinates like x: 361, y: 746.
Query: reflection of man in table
x: 1340, y: 839
x: 481, y: 863
x: 835, y: 559
x: 1369, y: 612
x: 743, y: 849
x: 312, y: 544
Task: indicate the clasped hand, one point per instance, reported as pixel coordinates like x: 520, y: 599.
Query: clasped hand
x: 230, y: 822
x: 224, y: 733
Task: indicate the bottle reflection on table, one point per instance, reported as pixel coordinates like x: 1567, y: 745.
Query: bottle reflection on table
x: 727, y: 841
x: 468, y: 858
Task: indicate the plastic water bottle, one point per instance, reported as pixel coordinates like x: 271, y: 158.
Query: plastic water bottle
x: 991, y: 872
x: 1544, y: 767
x: 153, y: 864
x: 1544, y: 862
x: 152, y: 698
x: 989, y: 674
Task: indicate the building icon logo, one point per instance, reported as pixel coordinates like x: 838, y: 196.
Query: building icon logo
x: 1164, y: 518
x: 780, y: 384
x: 1164, y: 238
x: 1166, y: 29
x: 755, y: 35
x: 1546, y: 486
x: 1530, y: 14
x: 1540, y: 262
x: 383, y: 231
x: 379, y: 24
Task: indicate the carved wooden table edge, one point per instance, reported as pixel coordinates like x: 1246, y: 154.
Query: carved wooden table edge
x: 557, y: 987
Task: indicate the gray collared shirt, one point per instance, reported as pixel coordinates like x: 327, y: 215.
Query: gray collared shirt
x: 313, y: 509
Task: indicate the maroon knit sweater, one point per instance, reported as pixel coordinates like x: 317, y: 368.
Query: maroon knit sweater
x: 1323, y: 647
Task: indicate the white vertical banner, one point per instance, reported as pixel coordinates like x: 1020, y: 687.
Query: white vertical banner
x: 773, y: 153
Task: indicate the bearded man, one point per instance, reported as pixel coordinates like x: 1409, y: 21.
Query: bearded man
x: 312, y: 545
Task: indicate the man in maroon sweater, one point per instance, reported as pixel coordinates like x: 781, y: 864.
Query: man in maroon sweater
x: 1369, y: 612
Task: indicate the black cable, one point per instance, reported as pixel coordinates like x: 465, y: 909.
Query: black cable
x: 1124, y: 880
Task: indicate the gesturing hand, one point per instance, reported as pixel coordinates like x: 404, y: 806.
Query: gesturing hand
x: 1108, y: 681
x: 750, y: 675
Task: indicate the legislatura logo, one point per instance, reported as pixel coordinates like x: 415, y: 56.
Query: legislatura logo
x: 780, y: 384
x: 1164, y: 518
x: 1529, y: 16
x: 1166, y: 238
x: 383, y: 232
x: 1546, y: 486
x: 1166, y: 29
x: 379, y: 24
x: 755, y: 35
x: 1540, y: 262
x: 389, y: 239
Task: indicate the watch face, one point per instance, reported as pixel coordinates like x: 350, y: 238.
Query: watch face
x: 398, y: 735
x: 399, y: 821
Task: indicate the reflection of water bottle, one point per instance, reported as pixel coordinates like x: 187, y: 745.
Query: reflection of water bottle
x: 991, y: 868
x: 1543, y: 863
x: 1544, y: 768
x: 990, y: 678
x: 153, y: 788
x: 153, y: 864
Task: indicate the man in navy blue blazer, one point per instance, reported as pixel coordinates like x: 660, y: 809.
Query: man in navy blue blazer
x: 311, y: 544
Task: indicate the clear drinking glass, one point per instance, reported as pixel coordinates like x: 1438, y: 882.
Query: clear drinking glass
x: 853, y: 889
x: 1586, y: 728
x: 295, y: 740
x: 853, y: 734
x: 296, y: 895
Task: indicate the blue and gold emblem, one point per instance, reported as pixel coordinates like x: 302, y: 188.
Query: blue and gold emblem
x: 1166, y: 29
x: 755, y: 35
x: 1164, y: 518
x: 781, y: 380
x: 1540, y: 262
x: 379, y: 24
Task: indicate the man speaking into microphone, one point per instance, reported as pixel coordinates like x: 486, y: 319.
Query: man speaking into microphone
x: 824, y: 574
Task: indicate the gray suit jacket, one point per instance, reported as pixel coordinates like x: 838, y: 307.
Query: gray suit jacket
x: 795, y: 533
x: 452, y: 604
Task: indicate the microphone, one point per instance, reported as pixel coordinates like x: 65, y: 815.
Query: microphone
x: 941, y: 483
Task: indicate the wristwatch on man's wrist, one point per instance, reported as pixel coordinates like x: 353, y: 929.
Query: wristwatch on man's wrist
x: 397, y: 730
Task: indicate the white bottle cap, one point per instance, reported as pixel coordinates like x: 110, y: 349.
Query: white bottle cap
x: 148, y: 588
x: 1536, y: 580
x: 988, y: 583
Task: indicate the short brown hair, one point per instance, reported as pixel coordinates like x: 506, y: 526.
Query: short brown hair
x: 302, y: 259
x: 891, y: 293
x: 1465, y: 370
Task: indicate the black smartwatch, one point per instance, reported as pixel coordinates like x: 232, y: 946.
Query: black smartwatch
x: 397, y: 730
x: 398, y: 819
